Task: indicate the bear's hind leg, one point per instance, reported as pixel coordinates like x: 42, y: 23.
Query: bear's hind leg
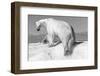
x: 70, y: 44
x: 65, y: 42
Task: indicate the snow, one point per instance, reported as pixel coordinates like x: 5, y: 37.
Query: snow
x: 40, y: 52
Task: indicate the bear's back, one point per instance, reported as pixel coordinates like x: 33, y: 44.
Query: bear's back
x: 58, y: 25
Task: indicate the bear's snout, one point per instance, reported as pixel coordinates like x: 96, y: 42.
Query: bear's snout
x: 38, y: 29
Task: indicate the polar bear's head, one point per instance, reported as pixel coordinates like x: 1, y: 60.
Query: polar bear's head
x: 40, y: 24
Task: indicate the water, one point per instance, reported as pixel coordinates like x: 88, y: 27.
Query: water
x: 38, y: 38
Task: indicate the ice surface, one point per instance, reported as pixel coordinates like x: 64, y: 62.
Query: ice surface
x: 40, y: 52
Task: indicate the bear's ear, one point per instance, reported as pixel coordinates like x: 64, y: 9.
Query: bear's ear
x: 42, y: 22
x: 37, y: 23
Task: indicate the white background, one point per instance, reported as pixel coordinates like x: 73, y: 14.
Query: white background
x: 5, y: 41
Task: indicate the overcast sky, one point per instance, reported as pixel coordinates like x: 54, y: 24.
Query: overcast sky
x: 80, y: 24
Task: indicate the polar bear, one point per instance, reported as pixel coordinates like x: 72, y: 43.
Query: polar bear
x: 58, y: 28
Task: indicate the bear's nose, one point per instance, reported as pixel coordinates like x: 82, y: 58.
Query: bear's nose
x: 38, y: 29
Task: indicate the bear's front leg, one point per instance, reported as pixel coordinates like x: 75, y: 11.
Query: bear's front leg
x: 50, y: 39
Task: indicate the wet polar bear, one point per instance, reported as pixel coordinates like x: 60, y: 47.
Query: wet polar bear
x: 58, y: 28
